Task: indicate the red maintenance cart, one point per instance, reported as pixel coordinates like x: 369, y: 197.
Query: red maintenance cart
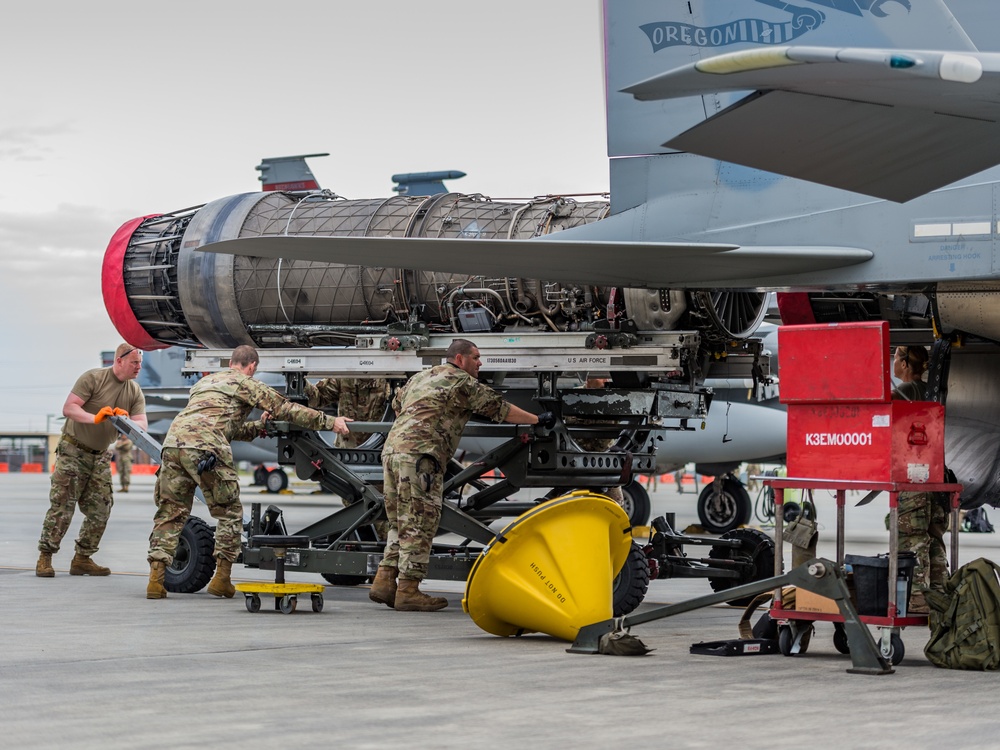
x: 845, y: 432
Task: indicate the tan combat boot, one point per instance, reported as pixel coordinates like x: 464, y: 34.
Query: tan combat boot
x: 43, y: 568
x: 84, y: 566
x: 383, y: 588
x: 410, y: 599
x: 155, y: 589
x: 220, y: 585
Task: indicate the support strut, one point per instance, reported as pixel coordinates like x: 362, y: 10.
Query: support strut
x: 819, y: 576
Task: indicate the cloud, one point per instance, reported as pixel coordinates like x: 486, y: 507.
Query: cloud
x: 55, y: 325
x: 28, y: 143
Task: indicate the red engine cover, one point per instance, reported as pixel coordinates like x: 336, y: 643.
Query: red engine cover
x: 835, y: 362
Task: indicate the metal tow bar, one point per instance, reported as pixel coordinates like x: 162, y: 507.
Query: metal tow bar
x: 820, y: 576
x: 137, y: 435
x: 147, y: 444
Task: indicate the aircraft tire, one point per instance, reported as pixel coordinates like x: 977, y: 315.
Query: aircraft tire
x: 276, y: 480
x: 756, y: 549
x: 194, y: 559
x: 730, y: 510
x: 636, y: 503
x: 629, y: 588
x: 260, y: 476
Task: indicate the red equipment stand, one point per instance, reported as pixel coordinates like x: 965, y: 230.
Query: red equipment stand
x: 891, y: 643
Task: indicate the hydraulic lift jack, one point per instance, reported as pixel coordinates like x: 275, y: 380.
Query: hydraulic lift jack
x: 820, y: 576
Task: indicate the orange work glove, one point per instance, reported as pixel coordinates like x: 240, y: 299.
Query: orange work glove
x: 104, y: 413
x: 119, y: 412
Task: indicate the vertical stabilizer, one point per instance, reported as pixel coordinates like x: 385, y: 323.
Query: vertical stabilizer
x: 287, y: 173
x: 644, y: 38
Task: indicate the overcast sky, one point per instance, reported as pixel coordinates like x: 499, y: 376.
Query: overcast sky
x: 113, y: 110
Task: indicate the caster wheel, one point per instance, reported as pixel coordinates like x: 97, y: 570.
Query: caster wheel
x: 840, y: 639
x: 896, y: 650
x: 253, y: 603
x: 787, y: 636
x: 317, y: 602
x: 785, y: 640
x: 287, y: 604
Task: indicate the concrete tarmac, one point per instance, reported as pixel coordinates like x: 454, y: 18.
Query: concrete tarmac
x: 90, y: 663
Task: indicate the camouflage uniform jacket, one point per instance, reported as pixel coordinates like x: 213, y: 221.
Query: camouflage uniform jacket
x: 433, y: 409
x: 217, y: 408
x: 363, y: 399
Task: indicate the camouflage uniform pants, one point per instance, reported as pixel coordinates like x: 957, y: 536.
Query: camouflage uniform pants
x: 176, y: 482
x: 79, y: 478
x: 124, y: 465
x: 413, y: 500
x: 922, y: 524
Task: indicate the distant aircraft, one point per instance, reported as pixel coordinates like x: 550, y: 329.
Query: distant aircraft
x: 877, y: 123
x: 424, y: 183
x: 287, y: 173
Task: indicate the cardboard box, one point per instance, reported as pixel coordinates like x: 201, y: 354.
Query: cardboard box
x: 807, y: 601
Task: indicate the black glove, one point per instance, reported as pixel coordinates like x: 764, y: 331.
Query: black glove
x: 547, y: 420
x: 207, y: 463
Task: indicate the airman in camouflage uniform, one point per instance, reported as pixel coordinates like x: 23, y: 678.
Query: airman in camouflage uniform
x: 123, y: 461
x: 214, y: 416
x: 361, y: 399
x: 432, y: 410
x: 82, y: 472
x: 922, y: 518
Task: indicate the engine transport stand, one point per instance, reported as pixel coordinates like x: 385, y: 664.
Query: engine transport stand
x: 790, y: 621
x: 820, y: 576
x: 285, y: 594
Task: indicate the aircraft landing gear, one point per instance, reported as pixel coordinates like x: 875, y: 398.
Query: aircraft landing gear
x: 274, y: 480
x: 724, y: 505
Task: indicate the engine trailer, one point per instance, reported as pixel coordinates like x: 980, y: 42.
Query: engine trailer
x: 655, y: 377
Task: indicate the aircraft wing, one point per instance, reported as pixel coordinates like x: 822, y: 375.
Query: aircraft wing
x: 893, y: 124
x: 631, y: 264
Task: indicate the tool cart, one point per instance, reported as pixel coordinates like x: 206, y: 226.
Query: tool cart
x: 845, y: 432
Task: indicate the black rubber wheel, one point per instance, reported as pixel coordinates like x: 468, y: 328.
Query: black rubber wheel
x: 756, y: 553
x: 840, y: 639
x: 785, y: 640
x: 728, y: 510
x: 317, y: 602
x: 276, y: 480
x: 253, y: 603
x: 896, y: 650
x: 629, y: 588
x: 194, y: 558
x: 635, y: 501
x: 260, y: 476
x: 339, y: 579
x: 287, y: 604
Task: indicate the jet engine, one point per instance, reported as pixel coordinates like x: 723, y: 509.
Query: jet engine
x: 159, y: 291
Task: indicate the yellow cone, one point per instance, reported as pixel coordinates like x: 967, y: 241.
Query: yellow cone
x: 552, y: 570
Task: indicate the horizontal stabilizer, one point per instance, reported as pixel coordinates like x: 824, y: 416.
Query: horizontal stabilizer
x: 629, y: 264
x: 893, y: 124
